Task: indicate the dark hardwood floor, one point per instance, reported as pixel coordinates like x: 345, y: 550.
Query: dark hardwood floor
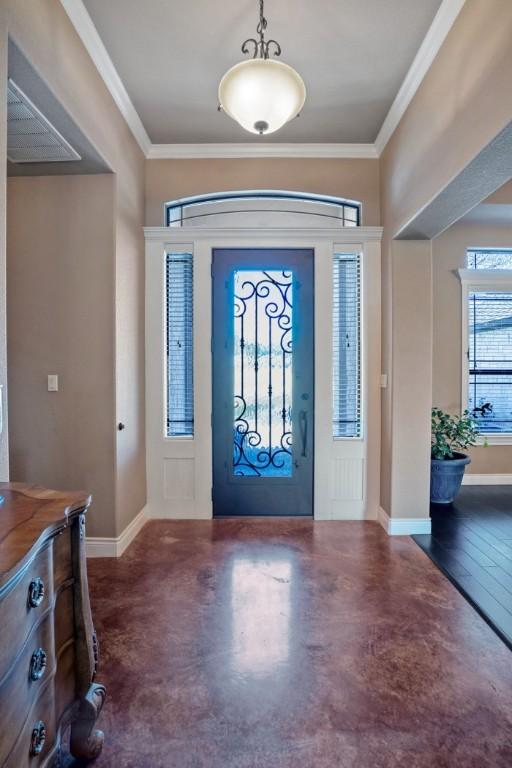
x: 471, y: 542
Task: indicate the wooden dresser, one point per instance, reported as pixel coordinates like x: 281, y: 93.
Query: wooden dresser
x: 48, y: 649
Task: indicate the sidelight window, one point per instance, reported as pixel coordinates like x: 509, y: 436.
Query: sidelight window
x: 347, y: 345
x: 179, y: 344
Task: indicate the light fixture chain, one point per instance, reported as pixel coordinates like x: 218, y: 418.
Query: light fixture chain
x: 260, y: 29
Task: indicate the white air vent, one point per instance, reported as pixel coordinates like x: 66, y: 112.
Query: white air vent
x: 31, y: 138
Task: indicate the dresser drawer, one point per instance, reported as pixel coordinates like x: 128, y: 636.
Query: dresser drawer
x: 38, y: 733
x: 32, y: 669
x: 23, y: 606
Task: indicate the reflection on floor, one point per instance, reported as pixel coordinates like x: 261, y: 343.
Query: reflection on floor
x: 471, y: 542
x: 287, y: 643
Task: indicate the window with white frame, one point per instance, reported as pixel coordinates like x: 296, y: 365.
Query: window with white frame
x: 179, y: 344
x: 284, y: 209
x: 487, y: 296
x: 489, y: 258
x: 346, y: 345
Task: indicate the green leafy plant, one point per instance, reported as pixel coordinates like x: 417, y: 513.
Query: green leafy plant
x: 451, y: 433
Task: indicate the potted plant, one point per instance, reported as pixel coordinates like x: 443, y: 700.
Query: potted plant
x: 450, y: 436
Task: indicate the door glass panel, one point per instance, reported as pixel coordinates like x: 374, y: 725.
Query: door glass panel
x: 263, y: 361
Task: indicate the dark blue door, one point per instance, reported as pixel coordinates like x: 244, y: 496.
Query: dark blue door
x: 263, y: 379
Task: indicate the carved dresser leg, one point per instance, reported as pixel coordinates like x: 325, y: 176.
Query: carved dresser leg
x: 86, y: 743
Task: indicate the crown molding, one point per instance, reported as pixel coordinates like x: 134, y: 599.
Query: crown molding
x: 89, y: 36
x: 225, y: 150
x: 435, y: 37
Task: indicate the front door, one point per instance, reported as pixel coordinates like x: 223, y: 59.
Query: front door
x: 263, y: 379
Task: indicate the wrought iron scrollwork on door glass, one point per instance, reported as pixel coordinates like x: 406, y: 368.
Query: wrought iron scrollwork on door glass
x: 263, y: 362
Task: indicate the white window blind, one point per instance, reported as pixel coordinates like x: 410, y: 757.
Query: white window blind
x: 490, y: 359
x: 180, y: 372
x: 346, y: 345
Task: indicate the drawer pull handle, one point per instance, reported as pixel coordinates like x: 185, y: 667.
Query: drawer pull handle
x: 38, y: 738
x: 35, y: 592
x: 38, y: 664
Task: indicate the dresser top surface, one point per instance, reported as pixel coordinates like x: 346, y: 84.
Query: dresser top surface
x: 28, y: 516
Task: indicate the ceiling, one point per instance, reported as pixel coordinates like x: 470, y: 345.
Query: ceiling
x: 352, y: 54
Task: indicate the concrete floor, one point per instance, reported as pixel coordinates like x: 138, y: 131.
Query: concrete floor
x: 286, y: 643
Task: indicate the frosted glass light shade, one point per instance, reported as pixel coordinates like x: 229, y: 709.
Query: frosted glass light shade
x: 262, y: 94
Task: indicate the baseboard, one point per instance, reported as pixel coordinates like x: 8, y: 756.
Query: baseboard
x: 487, y: 480
x: 404, y: 526
x: 102, y: 546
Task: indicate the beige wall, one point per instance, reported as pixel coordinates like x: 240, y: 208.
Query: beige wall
x: 60, y: 261
x: 171, y: 179
x: 130, y: 370
x: 502, y: 196
x: 411, y: 378
x: 464, y: 101
x: 44, y: 33
x: 386, y: 404
x: 448, y: 254
x: 4, y: 457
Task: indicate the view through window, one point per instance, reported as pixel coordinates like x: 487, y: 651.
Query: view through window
x: 490, y: 342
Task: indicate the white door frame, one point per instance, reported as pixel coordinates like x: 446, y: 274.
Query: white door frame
x: 179, y: 469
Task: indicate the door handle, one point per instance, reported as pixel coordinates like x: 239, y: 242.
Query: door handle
x: 303, y: 425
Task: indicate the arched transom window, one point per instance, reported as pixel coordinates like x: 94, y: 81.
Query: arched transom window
x: 263, y: 208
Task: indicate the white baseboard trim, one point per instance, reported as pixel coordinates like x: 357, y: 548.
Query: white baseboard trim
x: 404, y: 526
x: 102, y: 546
x: 487, y: 480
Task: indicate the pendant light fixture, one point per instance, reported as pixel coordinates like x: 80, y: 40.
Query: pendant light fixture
x: 262, y: 94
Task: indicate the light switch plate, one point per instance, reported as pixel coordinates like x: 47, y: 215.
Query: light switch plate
x: 53, y: 382
x: 383, y: 380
